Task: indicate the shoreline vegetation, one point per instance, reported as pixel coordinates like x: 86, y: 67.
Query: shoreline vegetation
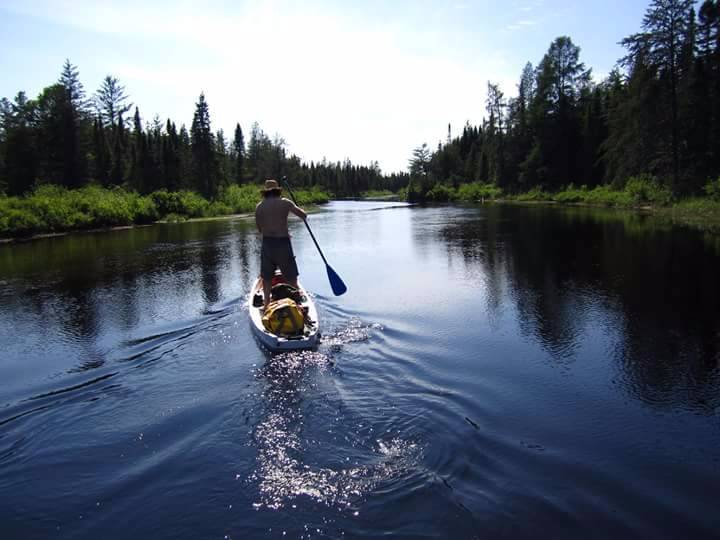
x: 643, y: 193
x: 51, y: 210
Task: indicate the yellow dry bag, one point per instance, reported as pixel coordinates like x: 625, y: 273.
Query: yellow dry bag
x: 284, y: 318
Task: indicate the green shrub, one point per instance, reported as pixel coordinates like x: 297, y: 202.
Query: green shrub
x: 712, y: 189
x: 314, y: 195
x: 441, y: 193
x: 647, y: 188
x: 184, y: 202
x: 143, y: 209
x: 108, y: 212
x: 607, y: 196
x: 218, y: 208
x: 55, y: 209
x: 571, y: 194
x: 175, y: 218
x: 15, y: 222
x: 477, y: 191
x: 240, y: 199
x: 535, y: 194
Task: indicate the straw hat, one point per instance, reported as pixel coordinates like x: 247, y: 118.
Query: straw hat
x: 271, y: 185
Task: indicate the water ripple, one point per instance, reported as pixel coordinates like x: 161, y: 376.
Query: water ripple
x: 283, y: 472
x: 351, y: 331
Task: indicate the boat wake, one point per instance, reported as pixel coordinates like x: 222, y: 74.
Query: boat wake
x: 352, y: 331
x: 284, y: 469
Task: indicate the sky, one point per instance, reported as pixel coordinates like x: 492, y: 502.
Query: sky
x: 361, y: 80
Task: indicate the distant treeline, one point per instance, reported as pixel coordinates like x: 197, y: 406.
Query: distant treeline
x: 66, y: 139
x: 656, y: 115
x: 655, y: 119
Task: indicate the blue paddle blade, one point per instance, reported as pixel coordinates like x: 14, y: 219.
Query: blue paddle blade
x: 338, y: 287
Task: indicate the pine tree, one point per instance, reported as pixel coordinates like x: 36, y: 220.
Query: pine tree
x: 204, y: 162
x: 255, y: 151
x: 171, y: 158
x: 419, y: 167
x: 138, y: 157
x: 553, y: 117
x: 50, y: 130
x: 20, y: 146
x: 661, y: 43
x: 101, y: 154
x: 70, y: 79
x: 636, y: 138
x: 111, y: 101
x: 118, y: 166
x: 708, y: 81
x: 5, y: 117
x: 496, y: 108
x: 221, y: 152
x: 185, y: 177
x: 238, y: 152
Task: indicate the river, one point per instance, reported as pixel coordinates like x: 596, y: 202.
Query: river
x: 492, y: 372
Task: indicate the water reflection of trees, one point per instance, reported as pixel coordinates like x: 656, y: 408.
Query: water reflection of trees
x: 568, y: 271
x: 79, y: 289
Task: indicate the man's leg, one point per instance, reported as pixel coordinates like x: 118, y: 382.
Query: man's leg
x: 267, y: 269
x: 288, y: 266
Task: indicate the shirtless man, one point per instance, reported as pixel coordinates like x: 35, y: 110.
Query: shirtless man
x: 271, y: 215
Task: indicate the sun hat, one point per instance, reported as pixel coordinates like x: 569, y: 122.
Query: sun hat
x: 271, y: 185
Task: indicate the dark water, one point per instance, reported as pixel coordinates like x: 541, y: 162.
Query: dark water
x: 493, y: 372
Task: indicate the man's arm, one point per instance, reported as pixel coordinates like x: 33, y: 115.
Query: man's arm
x: 299, y: 212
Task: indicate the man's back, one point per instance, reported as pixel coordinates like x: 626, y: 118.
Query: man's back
x: 271, y: 215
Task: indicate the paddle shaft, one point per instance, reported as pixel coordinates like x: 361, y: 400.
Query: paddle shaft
x: 306, y: 223
x: 336, y: 282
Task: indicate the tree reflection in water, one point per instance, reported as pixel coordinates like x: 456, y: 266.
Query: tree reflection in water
x: 568, y: 271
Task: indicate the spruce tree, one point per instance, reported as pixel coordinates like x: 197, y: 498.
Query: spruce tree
x: 665, y: 25
x: 101, y: 154
x: 238, y: 151
x: 204, y: 162
x: 70, y: 79
x: 221, y: 153
x: 496, y: 108
x: 185, y: 177
x: 118, y: 165
x: 20, y: 146
x: 111, y: 101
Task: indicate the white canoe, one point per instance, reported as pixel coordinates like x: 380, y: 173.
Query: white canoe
x: 275, y: 343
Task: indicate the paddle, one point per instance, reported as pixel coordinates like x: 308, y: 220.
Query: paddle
x: 338, y: 287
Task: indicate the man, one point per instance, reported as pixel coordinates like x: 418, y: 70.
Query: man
x: 271, y: 215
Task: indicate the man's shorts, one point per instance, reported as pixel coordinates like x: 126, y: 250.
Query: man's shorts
x: 278, y: 253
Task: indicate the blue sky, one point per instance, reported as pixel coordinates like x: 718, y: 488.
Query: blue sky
x: 364, y: 80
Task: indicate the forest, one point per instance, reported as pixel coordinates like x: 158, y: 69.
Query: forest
x: 654, y: 121
x: 650, y: 131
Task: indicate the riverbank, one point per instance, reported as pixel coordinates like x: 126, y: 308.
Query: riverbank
x: 52, y: 210
x: 642, y: 193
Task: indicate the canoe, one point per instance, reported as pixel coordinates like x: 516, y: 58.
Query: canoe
x: 274, y: 343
